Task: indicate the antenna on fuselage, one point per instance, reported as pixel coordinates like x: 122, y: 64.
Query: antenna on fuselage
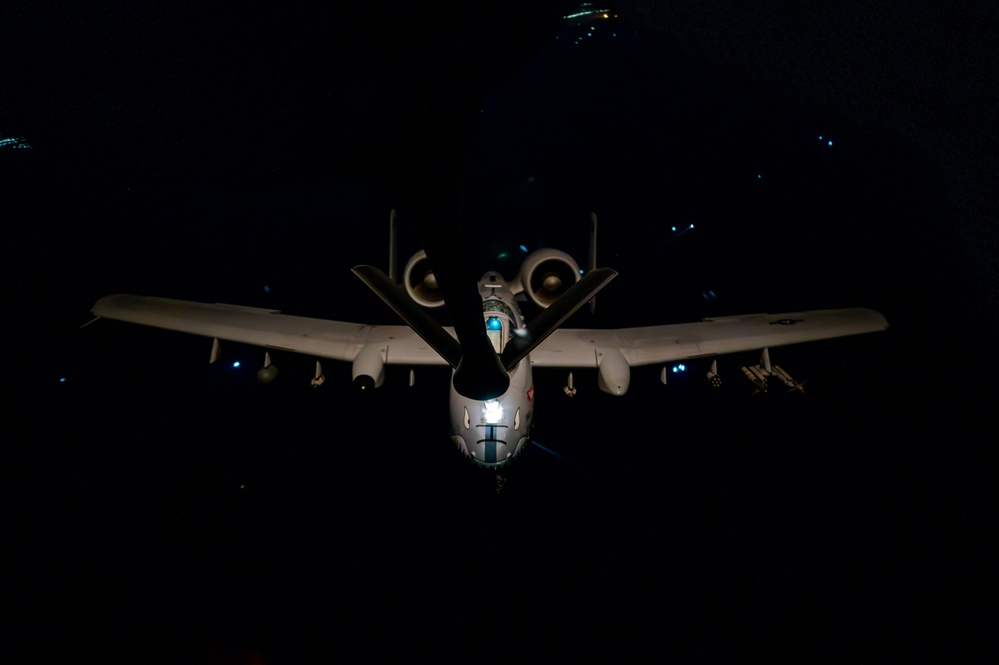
x: 392, y: 270
x: 592, y: 264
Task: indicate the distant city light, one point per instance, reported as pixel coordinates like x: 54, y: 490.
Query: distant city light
x: 830, y: 143
x: 62, y: 379
x: 236, y: 364
x: 15, y: 143
x: 580, y: 271
x: 674, y: 228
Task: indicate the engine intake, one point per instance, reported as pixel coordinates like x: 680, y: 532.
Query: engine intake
x: 421, y: 285
x: 546, y: 274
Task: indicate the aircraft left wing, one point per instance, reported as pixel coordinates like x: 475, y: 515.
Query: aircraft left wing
x: 338, y: 340
x: 710, y: 337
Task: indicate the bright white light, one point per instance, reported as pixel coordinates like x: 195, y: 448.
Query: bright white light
x: 691, y: 226
x: 492, y: 412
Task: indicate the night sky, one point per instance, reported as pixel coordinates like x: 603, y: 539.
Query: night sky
x: 159, y: 509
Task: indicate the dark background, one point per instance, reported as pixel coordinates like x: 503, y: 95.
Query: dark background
x: 159, y: 509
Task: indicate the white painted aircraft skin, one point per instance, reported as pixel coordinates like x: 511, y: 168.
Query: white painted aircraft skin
x: 494, y: 432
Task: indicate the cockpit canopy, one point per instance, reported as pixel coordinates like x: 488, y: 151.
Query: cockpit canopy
x: 500, y: 322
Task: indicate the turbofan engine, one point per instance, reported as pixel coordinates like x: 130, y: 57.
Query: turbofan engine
x: 546, y: 274
x: 421, y: 285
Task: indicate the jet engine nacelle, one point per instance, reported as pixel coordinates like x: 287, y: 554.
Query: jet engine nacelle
x: 546, y: 274
x: 613, y: 371
x: 368, y: 370
x: 421, y: 285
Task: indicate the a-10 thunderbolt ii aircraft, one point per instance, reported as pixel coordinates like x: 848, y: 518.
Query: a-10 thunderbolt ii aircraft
x: 492, y: 394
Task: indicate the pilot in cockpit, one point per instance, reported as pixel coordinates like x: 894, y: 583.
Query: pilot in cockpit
x: 498, y: 323
x: 495, y: 330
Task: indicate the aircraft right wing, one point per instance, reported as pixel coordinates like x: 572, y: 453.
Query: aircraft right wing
x: 710, y: 337
x: 338, y: 340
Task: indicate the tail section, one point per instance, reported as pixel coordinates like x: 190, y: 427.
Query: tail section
x: 592, y: 263
x: 480, y: 373
x: 393, y: 260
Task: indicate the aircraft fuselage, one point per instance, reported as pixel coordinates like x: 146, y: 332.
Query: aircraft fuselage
x: 493, y: 432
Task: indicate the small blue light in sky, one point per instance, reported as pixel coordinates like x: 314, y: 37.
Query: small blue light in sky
x: 820, y: 138
x: 493, y: 323
x: 267, y: 289
x: 691, y: 226
x: 580, y: 271
x: 523, y: 248
x: 674, y: 228
x: 682, y: 367
x: 759, y: 176
x: 236, y: 364
x: 712, y: 293
x: 62, y: 380
x: 675, y: 370
x: 830, y: 143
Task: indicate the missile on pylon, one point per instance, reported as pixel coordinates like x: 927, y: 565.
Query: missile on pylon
x: 570, y: 388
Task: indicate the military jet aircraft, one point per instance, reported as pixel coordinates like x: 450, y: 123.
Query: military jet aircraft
x: 492, y: 394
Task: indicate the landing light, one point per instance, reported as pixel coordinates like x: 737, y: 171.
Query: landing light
x: 492, y: 412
